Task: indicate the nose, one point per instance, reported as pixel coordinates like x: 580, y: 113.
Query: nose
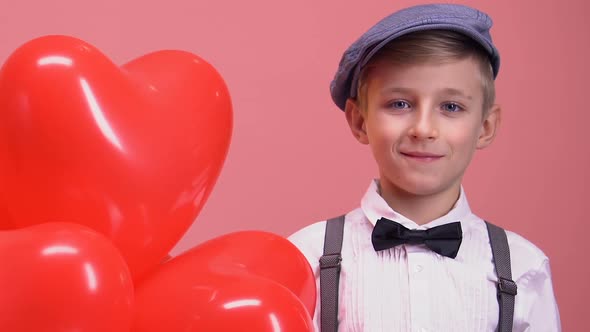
x: 424, y: 125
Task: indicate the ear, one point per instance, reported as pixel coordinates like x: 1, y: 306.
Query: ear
x: 490, y: 126
x: 356, y: 121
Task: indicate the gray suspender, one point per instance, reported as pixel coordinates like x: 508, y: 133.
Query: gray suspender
x: 506, y: 286
x: 330, y: 275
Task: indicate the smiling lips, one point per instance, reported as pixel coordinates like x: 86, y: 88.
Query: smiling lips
x: 421, y: 156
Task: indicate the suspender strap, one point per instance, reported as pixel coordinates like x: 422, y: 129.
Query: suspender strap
x: 330, y: 274
x: 507, y: 288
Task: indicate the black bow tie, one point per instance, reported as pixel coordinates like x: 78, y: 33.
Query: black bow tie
x: 444, y: 240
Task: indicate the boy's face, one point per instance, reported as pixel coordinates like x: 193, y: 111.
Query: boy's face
x: 423, y: 123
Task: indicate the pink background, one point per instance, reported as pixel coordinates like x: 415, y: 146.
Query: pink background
x: 292, y: 160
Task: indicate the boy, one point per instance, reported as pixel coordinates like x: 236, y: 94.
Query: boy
x: 418, y: 88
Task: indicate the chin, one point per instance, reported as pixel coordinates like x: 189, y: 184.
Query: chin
x: 420, y: 184
x: 423, y: 190
x: 422, y: 187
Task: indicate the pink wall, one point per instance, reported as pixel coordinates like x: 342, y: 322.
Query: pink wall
x: 293, y: 161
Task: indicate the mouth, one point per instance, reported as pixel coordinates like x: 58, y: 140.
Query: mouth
x: 421, y: 156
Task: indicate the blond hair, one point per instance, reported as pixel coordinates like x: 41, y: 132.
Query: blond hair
x: 427, y: 46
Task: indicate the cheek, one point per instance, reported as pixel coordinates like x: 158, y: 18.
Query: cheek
x: 464, y: 128
x: 384, y: 138
x: 464, y: 141
x: 385, y: 128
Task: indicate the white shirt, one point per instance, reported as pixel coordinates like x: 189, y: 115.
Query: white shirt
x: 411, y: 288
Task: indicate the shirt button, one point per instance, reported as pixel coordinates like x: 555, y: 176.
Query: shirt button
x: 418, y: 268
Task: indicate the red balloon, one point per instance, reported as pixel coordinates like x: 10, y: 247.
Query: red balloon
x: 263, y: 274
x: 212, y: 301
x: 63, y: 277
x: 258, y: 253
x: 132, y: 152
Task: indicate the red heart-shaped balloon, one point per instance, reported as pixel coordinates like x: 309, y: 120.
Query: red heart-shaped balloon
x: 221, y: 302
x: 236, y: 281
x: 132, y: 152
x: 63, y: 277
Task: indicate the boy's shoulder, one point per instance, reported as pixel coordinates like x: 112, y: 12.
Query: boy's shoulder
x: 310, y: 239
x: 526, y: 258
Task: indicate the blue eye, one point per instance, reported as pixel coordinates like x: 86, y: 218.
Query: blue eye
x: 451, y: 107
x: 400, y: 104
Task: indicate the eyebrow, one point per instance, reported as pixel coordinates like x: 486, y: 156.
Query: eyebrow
x: 446, y: 91
x: 455, y: 92
x: 400, y: 90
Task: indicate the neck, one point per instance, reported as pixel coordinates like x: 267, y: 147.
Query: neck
x: 421, y: 209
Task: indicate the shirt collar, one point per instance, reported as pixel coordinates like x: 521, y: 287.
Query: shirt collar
x: 375, y: 207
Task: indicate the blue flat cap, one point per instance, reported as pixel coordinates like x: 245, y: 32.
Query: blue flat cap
x: 466, y: 20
